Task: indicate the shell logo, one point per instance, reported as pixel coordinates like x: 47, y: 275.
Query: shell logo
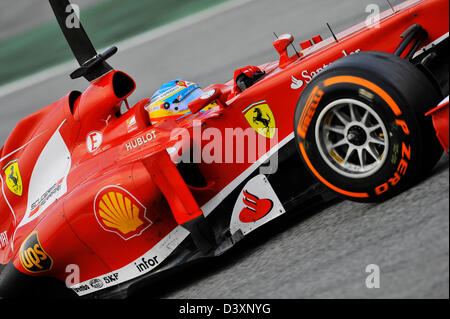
x: 117, y: 211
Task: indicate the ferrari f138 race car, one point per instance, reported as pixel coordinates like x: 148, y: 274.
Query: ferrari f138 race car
x: 98, y: 196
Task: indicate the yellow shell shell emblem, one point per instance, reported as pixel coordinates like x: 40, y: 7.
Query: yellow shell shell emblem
x: 261, y: 119
x: 120, y: 212
x: 13, y: 178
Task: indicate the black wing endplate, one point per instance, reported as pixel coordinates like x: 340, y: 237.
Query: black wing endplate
x: 92, y: 65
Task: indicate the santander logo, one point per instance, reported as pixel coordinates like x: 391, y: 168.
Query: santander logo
x: 307, y: 75
x: 255, y: 208
x: 296, y: 83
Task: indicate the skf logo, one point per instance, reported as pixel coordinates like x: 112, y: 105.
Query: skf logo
x: 261, y: 119
x: 111, y: 278
x: 120, y: 212
x: 255, y: 208
x: 33, y: 257
x: 13, y: 178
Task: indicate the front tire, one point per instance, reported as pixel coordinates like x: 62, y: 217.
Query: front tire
x: 360, y: 126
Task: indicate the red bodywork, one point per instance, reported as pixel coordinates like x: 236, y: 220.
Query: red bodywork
x: 440, y: 121
x: 105, y: 154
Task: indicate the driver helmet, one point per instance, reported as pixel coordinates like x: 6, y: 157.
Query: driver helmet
x: 172, y: 99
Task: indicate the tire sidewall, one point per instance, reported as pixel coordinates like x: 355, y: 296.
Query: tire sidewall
x: 404, y: 155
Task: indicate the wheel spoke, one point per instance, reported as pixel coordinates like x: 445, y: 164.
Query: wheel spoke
x: 365, y: 117
x: 340, y: 143
x: 341, y: 117
x: 349, y: 153
x: 377, y: 141
x: 374, y: 128
x: 335, y: 129
x: 352, y: 112
x: 360, y: 157
x: 371, y: 153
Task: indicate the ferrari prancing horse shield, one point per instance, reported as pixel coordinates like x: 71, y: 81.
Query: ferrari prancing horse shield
x: 261, y: 119
x: 13, y: 178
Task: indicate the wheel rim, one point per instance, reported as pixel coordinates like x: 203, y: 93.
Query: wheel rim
x: 351, y: 138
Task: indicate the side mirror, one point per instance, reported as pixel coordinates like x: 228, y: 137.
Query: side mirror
x: 213, y: 94
x: 281, y: 45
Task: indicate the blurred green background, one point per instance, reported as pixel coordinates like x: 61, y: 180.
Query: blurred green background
x: 107, y: 22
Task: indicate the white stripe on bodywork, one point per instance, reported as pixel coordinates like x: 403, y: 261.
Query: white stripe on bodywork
x: 23, y: 146
x: 444, y: 101
x: 12, y: 210
x: 161, y: 251
x: 432, y: 44
x: 216, y: 200
x: 48, y: 180
x: 3, y: 190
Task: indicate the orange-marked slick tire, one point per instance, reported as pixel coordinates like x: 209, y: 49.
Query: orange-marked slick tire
x: 360, y: 126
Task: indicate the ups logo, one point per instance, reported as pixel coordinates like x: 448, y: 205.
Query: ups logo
x: 33, y: 257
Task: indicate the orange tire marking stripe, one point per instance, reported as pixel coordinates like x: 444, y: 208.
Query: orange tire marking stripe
x: 359, y: 81
x: 306, y: 109
x: 324, y: 181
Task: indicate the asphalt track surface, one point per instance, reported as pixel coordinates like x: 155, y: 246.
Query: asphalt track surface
x: 316, y: 254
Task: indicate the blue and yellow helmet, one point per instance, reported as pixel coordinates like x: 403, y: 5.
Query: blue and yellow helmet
x: 172, y: 99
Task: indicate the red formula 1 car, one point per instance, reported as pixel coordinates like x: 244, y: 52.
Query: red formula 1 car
x: 96, y: 197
